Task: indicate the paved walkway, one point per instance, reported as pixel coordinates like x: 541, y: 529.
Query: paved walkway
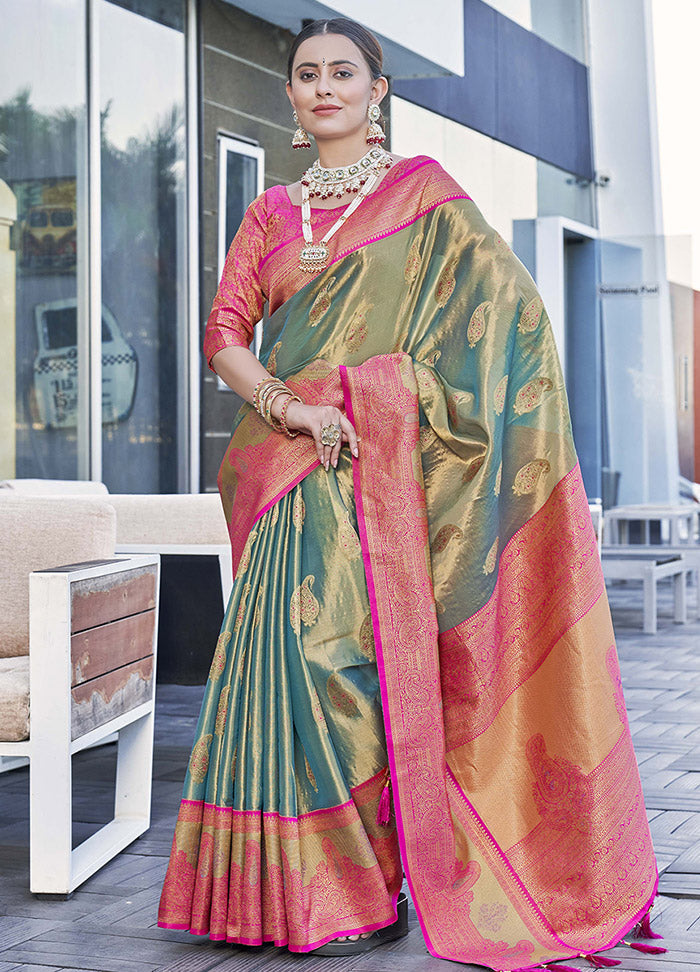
x: 109, y: 924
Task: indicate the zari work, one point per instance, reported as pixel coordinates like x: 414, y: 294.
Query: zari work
x: 428, y: 621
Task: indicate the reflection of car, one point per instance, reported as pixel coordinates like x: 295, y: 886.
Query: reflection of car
x: 56, y: 366
x: 49, y: 236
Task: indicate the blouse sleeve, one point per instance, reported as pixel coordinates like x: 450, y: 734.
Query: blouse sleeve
x: 238, y: 304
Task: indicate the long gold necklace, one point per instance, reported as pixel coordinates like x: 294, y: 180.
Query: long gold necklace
x: 314, y: 256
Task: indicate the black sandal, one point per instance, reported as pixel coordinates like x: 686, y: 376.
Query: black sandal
x: 381, y: 936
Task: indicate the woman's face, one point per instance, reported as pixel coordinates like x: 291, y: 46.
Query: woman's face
x: 331, y: 87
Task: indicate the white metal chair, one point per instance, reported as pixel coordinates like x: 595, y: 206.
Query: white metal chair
x: 77, y: 645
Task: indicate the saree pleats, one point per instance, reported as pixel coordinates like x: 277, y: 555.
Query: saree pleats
x: 436, y: 606
x: 277, y: 838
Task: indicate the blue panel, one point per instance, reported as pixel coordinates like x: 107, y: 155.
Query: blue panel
x: 518, y: 89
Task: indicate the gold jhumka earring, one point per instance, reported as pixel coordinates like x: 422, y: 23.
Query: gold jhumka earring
x: 375, y: 132
x: 300, y: 139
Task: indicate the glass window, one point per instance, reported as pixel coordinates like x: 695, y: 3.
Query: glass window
x: 241, y: 179
x: 142, y: 90
x: 42, y: 105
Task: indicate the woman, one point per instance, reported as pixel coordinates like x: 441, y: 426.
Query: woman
x: 416, y: 671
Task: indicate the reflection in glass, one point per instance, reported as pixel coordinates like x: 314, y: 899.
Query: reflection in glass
x: 142, y: 85
x: 42, y: 102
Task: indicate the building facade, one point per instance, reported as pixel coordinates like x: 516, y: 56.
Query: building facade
x: 133, y: 134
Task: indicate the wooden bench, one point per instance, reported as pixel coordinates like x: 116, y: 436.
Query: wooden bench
x: 650, y: 567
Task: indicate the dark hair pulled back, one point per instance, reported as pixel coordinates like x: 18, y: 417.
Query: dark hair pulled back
x: 368, y: 44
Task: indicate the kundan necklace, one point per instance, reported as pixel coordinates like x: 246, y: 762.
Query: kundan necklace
x: 325, y: 183
x: 314, y: 256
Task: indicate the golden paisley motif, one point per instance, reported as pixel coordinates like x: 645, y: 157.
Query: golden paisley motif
x: 222, y: 711
x: 497, y: 484
x: 199, y: 760
x: 303, y: 606
x: 443, y: 537
x: 272, y: 360
x: 528, y: 476
x: 531, y: 316
x: 340, y: 698
x: 473, y: 468
x: 426, y: 379
x: 477, y: 324
x: 413, y: 260
x: 310, y: 774
x: 366, y: 639
x: 274, y: 514
x: 298, y: 511
x: 455, y: 400
x: 349, y: 540
x: 530, y: 395
x: 321, y: 304
x: 244, y: 562
x: 499, y: 395
x: 446, y: 282
x: 218, y: 662
x: 356, y: 331
x: 490, y: 562
x: 240, y: 613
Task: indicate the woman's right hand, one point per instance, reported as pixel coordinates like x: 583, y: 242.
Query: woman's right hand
x: 310, y: 419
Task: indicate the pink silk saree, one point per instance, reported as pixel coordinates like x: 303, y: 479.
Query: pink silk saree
x: 428, y: 622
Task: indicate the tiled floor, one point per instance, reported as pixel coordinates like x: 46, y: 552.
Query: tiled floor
x: 109, y: 923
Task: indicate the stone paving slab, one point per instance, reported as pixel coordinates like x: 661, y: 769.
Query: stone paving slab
x: 109, y: 924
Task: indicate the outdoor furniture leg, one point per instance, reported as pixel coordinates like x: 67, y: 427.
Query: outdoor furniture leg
x: 649, y: 601
x: 680, y: 614
x: 226, y: 572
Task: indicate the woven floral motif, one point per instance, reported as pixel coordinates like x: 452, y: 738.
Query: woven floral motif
x: 303, y: 606
x: 340, y: 698
x: 218, y: 662
x: 561, y: 792
x: 530, y: 395
x: 321, y: 304
x: 491, y: 556
x: 413, y: 260
x: 222, y: 711
x: 499, y: 395
x: 357, y: 328
x: 199, y: 760
x: 473, y: 468
x: 366, y: 638
x: 446, y: 283
x: 491, y: 917
x: 240, y: 613
x: 477, y: 324
x: 272, y: 360
x: 531, y: 316
x: 529, y: 475
x: 444, y: 535
x: 298, y: 511
x: 244, y: 562
x: 497, y: 484
x: 348, y: 539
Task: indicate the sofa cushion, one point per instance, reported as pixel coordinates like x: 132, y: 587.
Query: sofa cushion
x: 38, y: 532
x: 180, y: 518
x: 14, y: 699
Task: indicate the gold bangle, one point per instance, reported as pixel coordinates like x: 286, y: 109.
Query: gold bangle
x: 283, y: 416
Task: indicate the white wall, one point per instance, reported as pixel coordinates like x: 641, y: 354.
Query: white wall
x: 517, y: 10
x: 501, y: 180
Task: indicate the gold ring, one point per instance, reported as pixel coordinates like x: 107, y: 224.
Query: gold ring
x: 330, y: 434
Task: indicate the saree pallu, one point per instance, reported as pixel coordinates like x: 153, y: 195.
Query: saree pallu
x: 426, y: 623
